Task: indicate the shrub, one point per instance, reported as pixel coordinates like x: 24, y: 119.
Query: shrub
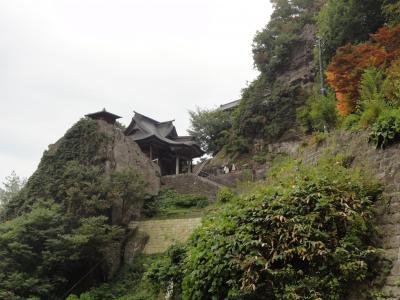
x: 210, y: 128
x: 170, y: 201
x: 391, y: 85
x: 318, y: 138
x: 307, y: 235
x: 351, y: 122
x: 167, y: 268
x: 386, y: 129
x: 225, y: 195
x: 372, y: 111
x: 130, y: 283
x: 344, y: 21
x: 319, y: 113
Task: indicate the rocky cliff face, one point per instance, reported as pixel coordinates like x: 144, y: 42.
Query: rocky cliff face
x: 121, y: 153
x: 300, y: 70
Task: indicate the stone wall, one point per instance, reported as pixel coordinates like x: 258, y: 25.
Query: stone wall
x: 385, y: 165
x: 164, y: 233
x: 191, y: 184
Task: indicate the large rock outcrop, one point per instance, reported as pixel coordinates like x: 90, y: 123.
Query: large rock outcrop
x: 77, y: 171
x: 121, y: 153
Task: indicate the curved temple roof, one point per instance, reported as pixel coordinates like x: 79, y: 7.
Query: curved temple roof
x: 143, y: 128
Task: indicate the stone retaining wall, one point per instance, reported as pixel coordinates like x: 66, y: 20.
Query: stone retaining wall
x: 164, y: 233
x: 385, y: 165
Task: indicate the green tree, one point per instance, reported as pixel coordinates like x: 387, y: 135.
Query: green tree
x: 391, y: 9
x: 348, y: 21
x: 45, y: 251
x: 319, y: 113
x: 12, y: 185
x: 210, y: 128
x: 127, y: 188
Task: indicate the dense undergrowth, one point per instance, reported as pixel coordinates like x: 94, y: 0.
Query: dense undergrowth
x: 129, y: 284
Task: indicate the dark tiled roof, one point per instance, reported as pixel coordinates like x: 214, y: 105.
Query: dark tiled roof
x: 230, y: 105
x: 103, y: 113
x: 143, y: 128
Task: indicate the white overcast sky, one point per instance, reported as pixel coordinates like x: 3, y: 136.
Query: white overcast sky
x: 61, y: 59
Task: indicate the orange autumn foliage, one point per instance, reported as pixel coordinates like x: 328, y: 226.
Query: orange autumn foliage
x: 346, y: 68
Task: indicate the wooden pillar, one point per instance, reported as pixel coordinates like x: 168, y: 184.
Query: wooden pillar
x: 151, y: 153
x: 190, y: 166
x: 177, y: 165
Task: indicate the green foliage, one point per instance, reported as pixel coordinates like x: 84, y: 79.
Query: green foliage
x: 81, y: 143
x: 128, y: 188
x: 171, y: 198
x: 351, y: 122
x: 44, y: 251
x: 305, y: 235
x: 391, y: 10
x: 58, y: 225
x: 319, y: 113
x: 348, y: 21
x: 130, y: 283
x: 371, y: 85
x: 372, y: 100
x: 171, y: 203
x: 378, y: 93
x: 168, y: 268
x: 391, y: 85
x: 11, y: 187
x: 273, y: 46
x: 225, y: 195
x: 265, y: 112
x: 318, y: 138
x: 386, y: 130
x: 210, y: 128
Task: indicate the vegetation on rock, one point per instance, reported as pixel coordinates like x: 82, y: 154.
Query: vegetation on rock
x: 58, y: 227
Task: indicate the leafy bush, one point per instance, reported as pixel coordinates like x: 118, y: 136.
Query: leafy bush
x: 170, y: 202
x: 391, y: 84
x: 351, y: 122
x: 11, y: 188
x: 391, y: 10
x: 350, y: 63
x: 386, y: 130
x: 167, y: 268
x: 319, y: 113
x: 130, y: 283
x: 266, y: 111
x: 318, y: 138
x: 45, y: 251
x: 210, y: 128
x: 171, y: 198
x: 224, y: 195
x: 306, y: 235
x: 348, y: 21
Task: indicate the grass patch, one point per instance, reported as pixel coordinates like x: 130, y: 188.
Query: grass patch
x: 171, y: 204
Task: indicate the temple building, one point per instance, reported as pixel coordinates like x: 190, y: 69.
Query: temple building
x: 161, y: 143
x: 104, y: 115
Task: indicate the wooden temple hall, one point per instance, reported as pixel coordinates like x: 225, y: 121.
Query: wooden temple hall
x: 159, y: 141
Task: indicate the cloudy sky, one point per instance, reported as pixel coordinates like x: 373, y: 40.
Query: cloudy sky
x: 61, y: 59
